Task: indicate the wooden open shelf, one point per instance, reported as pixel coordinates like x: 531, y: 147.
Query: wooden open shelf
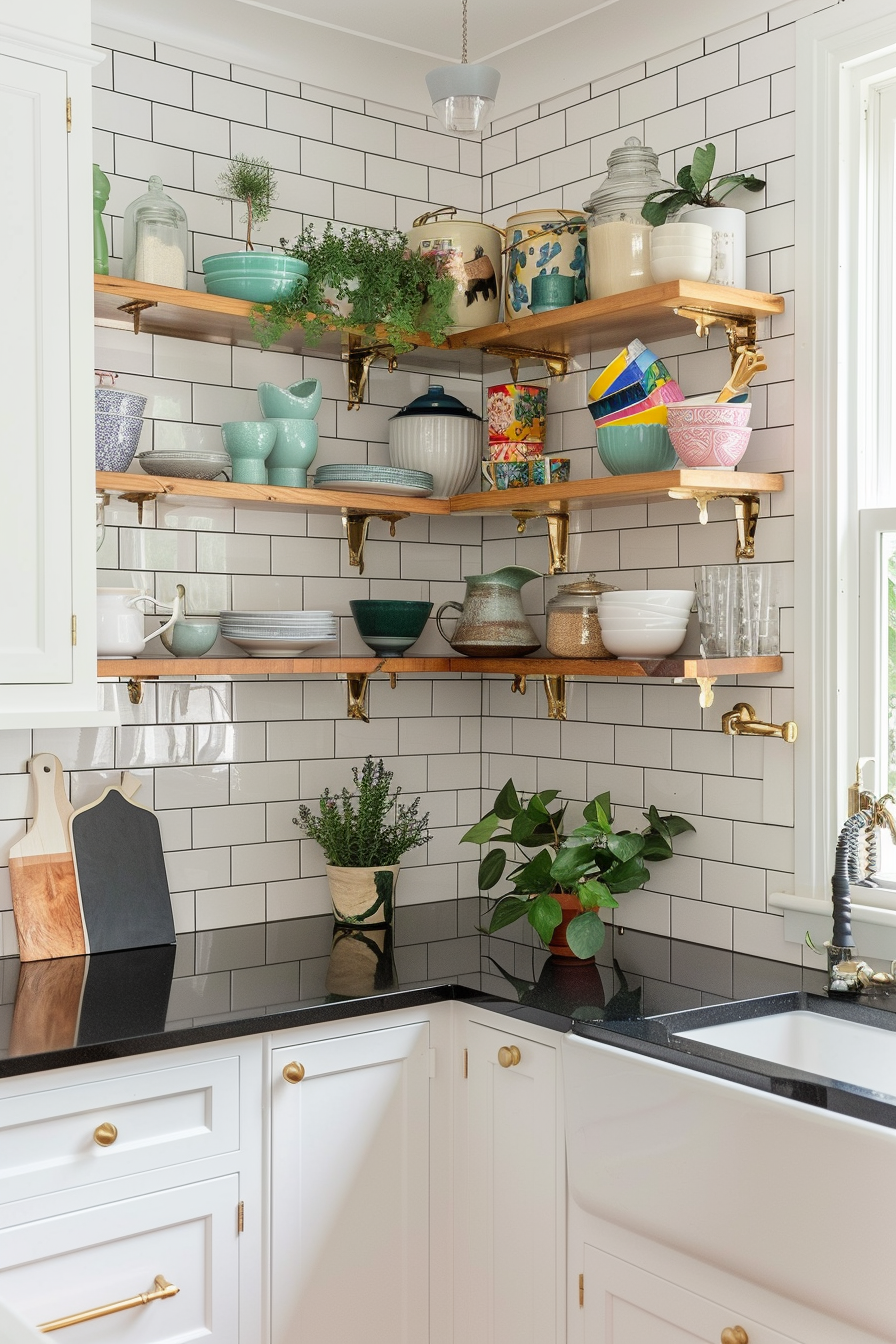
x: 311, y: 500
x: 686, y: 667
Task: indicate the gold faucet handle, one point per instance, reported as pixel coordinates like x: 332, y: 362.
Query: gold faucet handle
x: 741, y: 721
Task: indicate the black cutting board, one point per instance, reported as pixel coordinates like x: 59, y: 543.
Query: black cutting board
x: 121, y: 875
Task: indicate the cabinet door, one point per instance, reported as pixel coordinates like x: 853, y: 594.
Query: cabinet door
x: 509, y: 1232
x: 350, y: 1190
x: 627, y: 1305
x: 57, y: 1267
x: 36, y: 470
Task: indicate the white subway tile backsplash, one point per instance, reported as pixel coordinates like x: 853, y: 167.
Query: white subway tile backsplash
x: 152, y: 79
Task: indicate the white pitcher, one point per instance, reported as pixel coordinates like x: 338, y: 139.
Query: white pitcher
x: 119, y: 621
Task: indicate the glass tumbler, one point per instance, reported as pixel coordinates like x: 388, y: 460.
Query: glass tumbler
x: 738, y: 611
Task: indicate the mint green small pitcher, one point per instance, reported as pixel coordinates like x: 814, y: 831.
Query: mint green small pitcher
x: 492, y: 622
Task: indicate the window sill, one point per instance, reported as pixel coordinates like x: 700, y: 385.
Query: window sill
x: 873, y: 926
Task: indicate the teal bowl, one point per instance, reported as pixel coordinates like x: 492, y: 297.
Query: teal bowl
x: 387, y: 627
x: 259, y: 277
x: 629, y: 449
x: 190, y: 636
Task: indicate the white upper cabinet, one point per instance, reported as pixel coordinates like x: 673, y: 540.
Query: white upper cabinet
x: 47, y: 538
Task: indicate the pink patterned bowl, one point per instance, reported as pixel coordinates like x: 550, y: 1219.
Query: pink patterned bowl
x: 725, y: 413
x: 709, y: 445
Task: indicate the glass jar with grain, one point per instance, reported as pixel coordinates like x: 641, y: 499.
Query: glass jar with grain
x: 573, y: 627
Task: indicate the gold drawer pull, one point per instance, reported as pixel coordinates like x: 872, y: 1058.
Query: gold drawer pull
x: 508, y: 1056
x: 105, y: 1134
x: 735, y: 1334
x: 294, y: 1073
x: 162, y: 1289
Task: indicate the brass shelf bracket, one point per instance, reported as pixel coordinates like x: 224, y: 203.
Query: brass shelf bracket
x: 135, y: 689
x: 141, y: 497
x: 135, y: 308
x: 356, y: 684
x: 555, y: 362
x: 558, y: 536
x: 706, y: 692
x: 740, y: 328
x: 518, y: 685
x: 356, y: 525
x: 741, y: 721
x: 359, y: 357
x: 701, y: 498
x: 555, y: 694
x: 746, y: 514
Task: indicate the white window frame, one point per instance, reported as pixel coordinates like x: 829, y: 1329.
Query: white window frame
x: 840, y: 52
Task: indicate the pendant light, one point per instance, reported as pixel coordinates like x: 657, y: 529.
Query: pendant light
x: 462, y: 95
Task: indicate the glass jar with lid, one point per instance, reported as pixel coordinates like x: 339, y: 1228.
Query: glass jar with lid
x: 618, y: 234
x: 155, y: 239
x: 573, y: 627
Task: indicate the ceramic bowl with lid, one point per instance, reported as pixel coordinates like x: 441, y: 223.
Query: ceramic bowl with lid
x: 438, y: 434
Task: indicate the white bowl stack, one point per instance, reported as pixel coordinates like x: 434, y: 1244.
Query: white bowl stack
x: 681, y: 252
x: 644, y: 623
x: 278, y: 634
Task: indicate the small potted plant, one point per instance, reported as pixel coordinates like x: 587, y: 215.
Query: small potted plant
x: 571, y: 877
x: 256, y: 276
x: 365, y: 279
x: 698, y: 200
x: 363, y: 835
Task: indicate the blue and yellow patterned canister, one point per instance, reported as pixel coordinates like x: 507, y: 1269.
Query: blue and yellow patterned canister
x: 542, y: 242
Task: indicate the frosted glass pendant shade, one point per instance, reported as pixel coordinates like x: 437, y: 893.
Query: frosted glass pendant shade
x: 463, y: 95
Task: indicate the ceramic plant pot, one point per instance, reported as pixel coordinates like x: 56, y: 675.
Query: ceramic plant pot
x: 558, y: 946
x: 470, y: 252
x: 363, y: 896
x: 542, y: 242
x: 259, y: 277
x: 249, y: 443
x: 729, y: 242
x: 295, y: 448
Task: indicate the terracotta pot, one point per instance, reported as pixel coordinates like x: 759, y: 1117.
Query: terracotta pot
x: 571, y: 906
x: 363, y: 896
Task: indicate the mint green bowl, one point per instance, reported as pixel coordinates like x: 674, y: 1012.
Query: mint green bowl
x: 259, y: 277
x: 629, y: 449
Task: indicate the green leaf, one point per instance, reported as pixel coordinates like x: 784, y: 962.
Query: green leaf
x: 624, y: 847
x: 491, y: 869
x: 598, y: 813
x: 482, y: 832
x: 548, y: 795
x: 626, y: 876
x: 593, y: 893
x: 507, y: 911
x: 507, y: 804
x: 655, y: 213
x: 589, y: 831
x: 536, y: 809
x: 535, y: 876
x: 703, y: 162
x: 685, y: 180
x: 677, y: 825
x: 571, y: 863
x: 522, y: 828
x: 656, y: 848
x: 544, y: 916
x: 585, y: 934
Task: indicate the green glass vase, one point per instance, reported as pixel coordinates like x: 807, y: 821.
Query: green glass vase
x: 101, y: 189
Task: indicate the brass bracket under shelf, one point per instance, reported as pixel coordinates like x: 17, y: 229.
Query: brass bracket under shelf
x: 746, y: 515
x: 518, y: 684
x: 359, y: 357
x: 141, y: 497
x: 135, y: 308
x: 706, y: 692
x: 135, y: 689
x: 356, y: 684
x: 555, y: 693
x: 740, y: 328
x: 356, y: 525
x: 558, y: 536
x: 556, y: 364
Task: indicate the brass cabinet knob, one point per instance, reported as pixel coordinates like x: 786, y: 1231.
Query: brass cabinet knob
x: 294, y: 1073
x: 509, y: 1055
x: 735, y: 1334
x: 105, y: 1134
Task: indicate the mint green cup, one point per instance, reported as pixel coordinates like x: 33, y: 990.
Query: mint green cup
x: 294, y: 450
x: 249, y: 442
x: 629, y: 449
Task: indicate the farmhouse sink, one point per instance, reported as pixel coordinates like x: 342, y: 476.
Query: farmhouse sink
x: 757, y: 1136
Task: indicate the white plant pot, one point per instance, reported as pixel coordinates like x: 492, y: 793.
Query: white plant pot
x: 729, y: 242
x: 447, y: 446
x: 359, y: 898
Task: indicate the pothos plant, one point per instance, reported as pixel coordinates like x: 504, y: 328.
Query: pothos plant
x: 695, y: 188
x: 252, y: 182
x: 594, y: 863
x: 387, y: 285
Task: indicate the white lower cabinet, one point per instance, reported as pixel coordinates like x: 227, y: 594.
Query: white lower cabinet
x: 349, y: 1212
x: 60, y: 1266
x: 510, y: 1186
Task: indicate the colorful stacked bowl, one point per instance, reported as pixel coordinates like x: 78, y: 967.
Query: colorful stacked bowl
x: 715, y: 436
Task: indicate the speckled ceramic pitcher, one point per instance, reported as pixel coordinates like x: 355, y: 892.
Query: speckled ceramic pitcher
x: 492, y: 621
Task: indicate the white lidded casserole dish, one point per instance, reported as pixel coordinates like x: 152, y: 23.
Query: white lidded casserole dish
x: 437, y: 433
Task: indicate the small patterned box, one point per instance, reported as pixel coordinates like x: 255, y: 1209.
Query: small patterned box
x: 516, y: 413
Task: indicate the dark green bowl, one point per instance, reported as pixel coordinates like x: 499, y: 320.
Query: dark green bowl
x: 389, y: 628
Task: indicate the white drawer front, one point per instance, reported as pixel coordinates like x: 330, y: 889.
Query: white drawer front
x: 57, y: 1267
x: 162, y: 1117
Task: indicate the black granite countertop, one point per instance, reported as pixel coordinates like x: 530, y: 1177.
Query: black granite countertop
x: 231, y: 982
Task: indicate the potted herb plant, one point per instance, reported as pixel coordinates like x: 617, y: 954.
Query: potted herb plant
x: 365, y: 279
x: 256, y: 276
x: 699, y: 200
x: 561, y: 888
x: 363, y: 835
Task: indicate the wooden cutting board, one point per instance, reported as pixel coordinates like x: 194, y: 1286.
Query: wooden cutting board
x: 120, y: 870
x: 42, y: 873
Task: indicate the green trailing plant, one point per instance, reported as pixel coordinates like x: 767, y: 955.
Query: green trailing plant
x: 388, y: 286
x: 369, y: 828
x: 695, y: 188
x: 251, y: 181
x: 594, y: 863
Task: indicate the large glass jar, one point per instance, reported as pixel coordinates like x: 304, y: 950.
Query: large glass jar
x: 573, y: 627
x: 155, y: 239
x: 618, y: 234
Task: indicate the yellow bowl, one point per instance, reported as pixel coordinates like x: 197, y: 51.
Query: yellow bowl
x: 655, y: 415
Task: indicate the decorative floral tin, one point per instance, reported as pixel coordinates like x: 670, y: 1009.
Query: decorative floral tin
x: 517, y: 413
x: 542, y: 242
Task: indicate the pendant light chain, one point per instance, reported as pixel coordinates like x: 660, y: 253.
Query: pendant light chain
x: 463, y: 56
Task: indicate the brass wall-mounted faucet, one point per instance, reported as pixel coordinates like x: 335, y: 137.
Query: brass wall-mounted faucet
x: 741, y: 721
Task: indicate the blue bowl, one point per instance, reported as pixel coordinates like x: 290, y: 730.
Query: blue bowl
x: 259, y: 277
x: 629, y: 449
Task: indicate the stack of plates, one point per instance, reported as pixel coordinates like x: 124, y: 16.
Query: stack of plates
x: 383, y: 480
x: 278, y: 634
x: 196, y: 465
